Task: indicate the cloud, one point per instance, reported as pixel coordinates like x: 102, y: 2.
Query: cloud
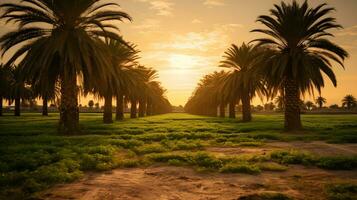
x: 214, y: 2
x: 196, y: 21
x: 163, y: 7
x: 199, y: 41
x: 148, y: 25
x: 204, y: 41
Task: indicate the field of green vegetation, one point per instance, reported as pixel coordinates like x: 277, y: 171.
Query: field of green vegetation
x: 34, y: 157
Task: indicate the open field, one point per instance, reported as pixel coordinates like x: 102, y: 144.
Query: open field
x: 179, y: 156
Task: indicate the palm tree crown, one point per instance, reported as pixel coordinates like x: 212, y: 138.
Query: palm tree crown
x: 320, y: 101
x: 349, y: 101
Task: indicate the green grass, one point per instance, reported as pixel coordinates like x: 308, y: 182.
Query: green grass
x: 266, y: 196
x: 33, y: 157
x: 345, y: 191
x: 325, y: 162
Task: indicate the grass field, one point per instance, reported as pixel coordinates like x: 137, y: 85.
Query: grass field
x: 34, y: 158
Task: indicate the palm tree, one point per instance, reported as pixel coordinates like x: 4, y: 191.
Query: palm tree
x: 207, y: 96
x: 309, y: 105
x: 349, y: 101
x: 320, y: 101
x: 157, y: 103
x: 243, y: 82
x: 5, y: 76
x: 115, y: 82
x: 232, y: 108
x: 279, y: 101
x: 150, y: 90
x: 299, y: 52
x: 136, y: 88
x: 18, y: 89
x: 42, y: 89
x: 68, y: 44
x: 333, y: 106
x: 123, y: 58
x: 91, y: 104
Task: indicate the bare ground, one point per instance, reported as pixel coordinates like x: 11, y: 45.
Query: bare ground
x: 181, y: 183
x: 316, y: 147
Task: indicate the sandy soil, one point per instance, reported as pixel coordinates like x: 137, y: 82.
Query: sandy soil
x: 180, y: 183
x: 317, y: 147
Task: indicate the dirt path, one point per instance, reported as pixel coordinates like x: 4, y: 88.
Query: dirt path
x: 180, y: 183
x: 316, y: 147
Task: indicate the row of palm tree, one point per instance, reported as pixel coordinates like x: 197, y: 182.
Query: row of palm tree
x: 65, y: 44
x: 290, y: 61
x: 348, y: 102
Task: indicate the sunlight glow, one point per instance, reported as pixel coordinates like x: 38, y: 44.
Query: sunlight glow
x: 182, y: 62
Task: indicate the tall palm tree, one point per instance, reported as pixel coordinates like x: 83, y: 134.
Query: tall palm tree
x: 349, y: 101
x: 122, y: 55
x: 320, y: 101
x: 243, y: 82
x: 279, y: 101
x: 157, y: 103
x: 64, y: 41
x: 136, y: 89
x: 18, y: 89
x: 5, y: 76
x: 207, y: 96
x: 309, y: 105
x: 300, y: 52
x: 45, y: 90
x: 124, y: 58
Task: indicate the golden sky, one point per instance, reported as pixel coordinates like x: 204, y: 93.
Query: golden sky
x: 185, y: 39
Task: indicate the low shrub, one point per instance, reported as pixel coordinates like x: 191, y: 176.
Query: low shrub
x: 176, y: 162
x: 183, y: 144
x: 127, y: 144
x: 338, y: 163
x: 265, y: 196
x: 346, y: 191
x: 270, y: 166
x: 330, y: 162
x: 150, y: 148
x: 203, y: 159
x: 293, y: 157
x: 242, y: 167
x: 165, y: 157
x: 129, y: 163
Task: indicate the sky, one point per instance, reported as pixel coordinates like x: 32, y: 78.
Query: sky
x: 186, y: 39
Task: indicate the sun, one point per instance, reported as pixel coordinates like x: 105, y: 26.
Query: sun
x: 181, y: 62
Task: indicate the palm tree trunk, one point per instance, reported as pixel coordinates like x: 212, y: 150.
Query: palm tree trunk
x: 232, y: 110
x: 17, y: 106
x: 44, y: 106
x: 1, y: 107
x: 292, y: 108
x: 133, y: 109
x: 108, y: 109
x: 222, y: 110
x: 120, y: 108
x: 246, y: 109
x: 213, y: 111
x: 142, y: 108
x: 149, y: 108
x: 69, y: 112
